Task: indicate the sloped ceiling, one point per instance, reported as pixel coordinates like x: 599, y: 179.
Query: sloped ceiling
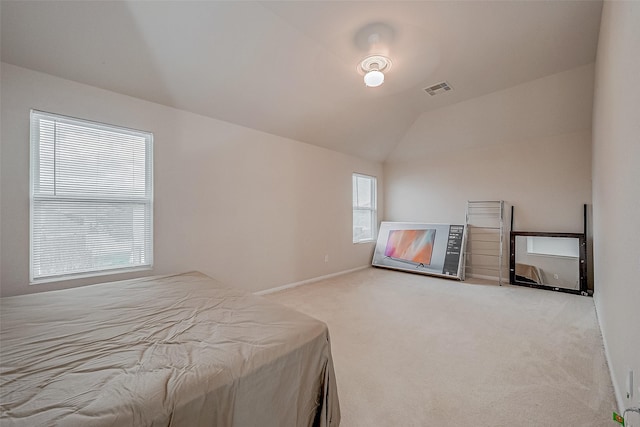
x: 289, y: 68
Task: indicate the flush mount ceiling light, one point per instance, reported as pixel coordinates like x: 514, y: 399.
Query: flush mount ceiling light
x: 373, y: 68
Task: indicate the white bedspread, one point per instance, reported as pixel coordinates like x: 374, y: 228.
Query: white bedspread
x: 162, y: 351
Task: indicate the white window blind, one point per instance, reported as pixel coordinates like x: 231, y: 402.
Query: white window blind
x: 364, y: 208
x: 91, y: 198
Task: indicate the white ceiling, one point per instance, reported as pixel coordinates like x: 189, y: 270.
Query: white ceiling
x: 289, y: 68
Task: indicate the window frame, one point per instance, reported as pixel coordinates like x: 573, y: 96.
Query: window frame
x: 34, y: 159
x: 373, y: 209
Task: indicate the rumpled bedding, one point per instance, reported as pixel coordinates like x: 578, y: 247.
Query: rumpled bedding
x: 163, y: 351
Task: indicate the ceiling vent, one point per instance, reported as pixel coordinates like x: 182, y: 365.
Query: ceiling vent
x: 438, y: 88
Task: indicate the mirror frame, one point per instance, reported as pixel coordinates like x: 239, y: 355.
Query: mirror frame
x: 582, y: 269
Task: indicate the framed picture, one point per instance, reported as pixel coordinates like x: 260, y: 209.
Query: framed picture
x: 435, y: 249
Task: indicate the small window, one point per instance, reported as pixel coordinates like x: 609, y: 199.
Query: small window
x: 91, y: 198
x: 364, y: 208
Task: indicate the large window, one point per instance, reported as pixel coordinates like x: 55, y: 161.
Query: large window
x: 364, y: 208
x: 91, y: 198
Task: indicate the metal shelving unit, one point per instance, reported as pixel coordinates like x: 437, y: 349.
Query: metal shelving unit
x: 484, y: 252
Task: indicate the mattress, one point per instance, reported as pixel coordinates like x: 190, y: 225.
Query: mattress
x: 163, y: 351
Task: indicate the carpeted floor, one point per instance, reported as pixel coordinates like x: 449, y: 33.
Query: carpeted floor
x: 412, y: 350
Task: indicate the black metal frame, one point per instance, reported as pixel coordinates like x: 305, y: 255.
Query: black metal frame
x: 582, y: 263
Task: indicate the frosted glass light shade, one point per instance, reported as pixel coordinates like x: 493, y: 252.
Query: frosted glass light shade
x: 374, y: 78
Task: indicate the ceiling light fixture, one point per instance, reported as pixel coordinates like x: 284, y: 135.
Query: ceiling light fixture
x: 374, y: 78
x: 373, y: 68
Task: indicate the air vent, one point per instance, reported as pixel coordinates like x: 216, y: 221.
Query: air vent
x: 438, y: 88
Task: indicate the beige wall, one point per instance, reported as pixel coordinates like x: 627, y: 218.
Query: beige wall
x: 616, y: 192
x: 251, y: 209
x: 529, y: 145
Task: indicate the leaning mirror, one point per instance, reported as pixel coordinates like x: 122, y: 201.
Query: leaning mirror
x: 548, y: 260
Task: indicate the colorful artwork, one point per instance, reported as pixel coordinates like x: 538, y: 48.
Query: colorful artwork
x: 411, y: 245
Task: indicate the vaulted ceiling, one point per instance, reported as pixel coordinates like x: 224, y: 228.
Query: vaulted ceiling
x: 289, y: 68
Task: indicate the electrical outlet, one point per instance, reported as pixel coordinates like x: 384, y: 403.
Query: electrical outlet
x: 632, y: 416
x: 326, y: 258
x: 555, y: 276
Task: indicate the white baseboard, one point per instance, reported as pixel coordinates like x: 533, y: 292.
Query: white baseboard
x: 481, y: 276
x: 607, y: 356
x: 305, y: 282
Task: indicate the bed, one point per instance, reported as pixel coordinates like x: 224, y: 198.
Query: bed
x: 162, y: 351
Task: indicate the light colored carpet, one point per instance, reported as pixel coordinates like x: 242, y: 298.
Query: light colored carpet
x: 412, y: 350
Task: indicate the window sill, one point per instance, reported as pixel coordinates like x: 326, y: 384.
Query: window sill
x: 89, y: 275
